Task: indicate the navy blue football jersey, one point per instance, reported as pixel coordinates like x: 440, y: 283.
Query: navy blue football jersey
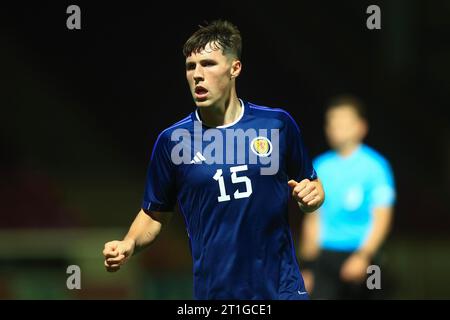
x: 230, y: 183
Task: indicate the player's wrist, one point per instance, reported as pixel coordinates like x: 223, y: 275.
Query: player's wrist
x: 307, y: 209
x: 365, y: 254
x: 131, y: 242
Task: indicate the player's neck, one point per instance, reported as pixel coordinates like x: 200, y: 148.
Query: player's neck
x: 223, y: 113
x: 348, y: 149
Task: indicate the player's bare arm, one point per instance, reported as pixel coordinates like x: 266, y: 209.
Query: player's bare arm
x: 309, y: 194
x: 354, y: 269
x: 309, y: 248
x: 143, y: 231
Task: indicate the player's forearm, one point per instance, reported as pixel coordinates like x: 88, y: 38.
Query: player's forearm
x: 143, y: 230
x: 380, y: 230
x: 309, y: 243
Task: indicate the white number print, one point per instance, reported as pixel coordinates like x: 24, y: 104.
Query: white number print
x: 223, y: 193
x: 234, y: 179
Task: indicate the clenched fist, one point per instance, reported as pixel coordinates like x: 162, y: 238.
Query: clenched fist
x: 117, y: 253
x: 309, y: 194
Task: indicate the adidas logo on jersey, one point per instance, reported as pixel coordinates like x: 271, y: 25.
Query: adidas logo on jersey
x: 198, y: 158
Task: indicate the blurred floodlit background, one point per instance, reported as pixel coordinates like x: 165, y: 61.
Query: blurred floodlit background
x: 80, y: 111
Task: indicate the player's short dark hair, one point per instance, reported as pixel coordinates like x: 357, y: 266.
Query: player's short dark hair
x: 349, y: 101
x: 220, y: 33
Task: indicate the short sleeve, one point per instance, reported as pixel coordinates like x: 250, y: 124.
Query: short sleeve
x: 160, y: 193
x: 382, y: 187
x: 299, y: 164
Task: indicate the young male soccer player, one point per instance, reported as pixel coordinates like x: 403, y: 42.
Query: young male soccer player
x: 231, y: 167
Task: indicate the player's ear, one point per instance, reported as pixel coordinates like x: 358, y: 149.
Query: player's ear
x: 364, y: 128
x: 236, y: 67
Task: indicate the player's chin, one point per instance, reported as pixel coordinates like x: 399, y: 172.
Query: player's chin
x: 202, y: 102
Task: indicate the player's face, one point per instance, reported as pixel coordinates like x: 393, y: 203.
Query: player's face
x: 344, y: 127
x: 211, y: 75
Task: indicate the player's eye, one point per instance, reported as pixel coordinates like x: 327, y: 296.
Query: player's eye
x: 208, y: 63
x: 190, y: 66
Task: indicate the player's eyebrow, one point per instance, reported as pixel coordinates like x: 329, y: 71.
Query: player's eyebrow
x: 208, y: 61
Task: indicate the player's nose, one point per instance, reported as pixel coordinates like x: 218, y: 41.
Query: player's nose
x: 198, y: 74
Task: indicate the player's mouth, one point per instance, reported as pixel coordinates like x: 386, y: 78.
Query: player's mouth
x: 200, y: 93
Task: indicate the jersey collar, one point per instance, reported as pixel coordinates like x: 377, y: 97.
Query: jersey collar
x: 197, y: 117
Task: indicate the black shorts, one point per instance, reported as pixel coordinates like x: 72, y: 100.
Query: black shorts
x: 327, y: 281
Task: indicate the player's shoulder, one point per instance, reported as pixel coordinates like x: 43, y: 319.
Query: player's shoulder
x: 184, y: 123
x: 272, y: 113
x: 374, y: 158
x: 165, y: 136
x: 328, y: 157
x: 265, y: 111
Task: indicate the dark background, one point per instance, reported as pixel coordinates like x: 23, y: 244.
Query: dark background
x: 80, y: 109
